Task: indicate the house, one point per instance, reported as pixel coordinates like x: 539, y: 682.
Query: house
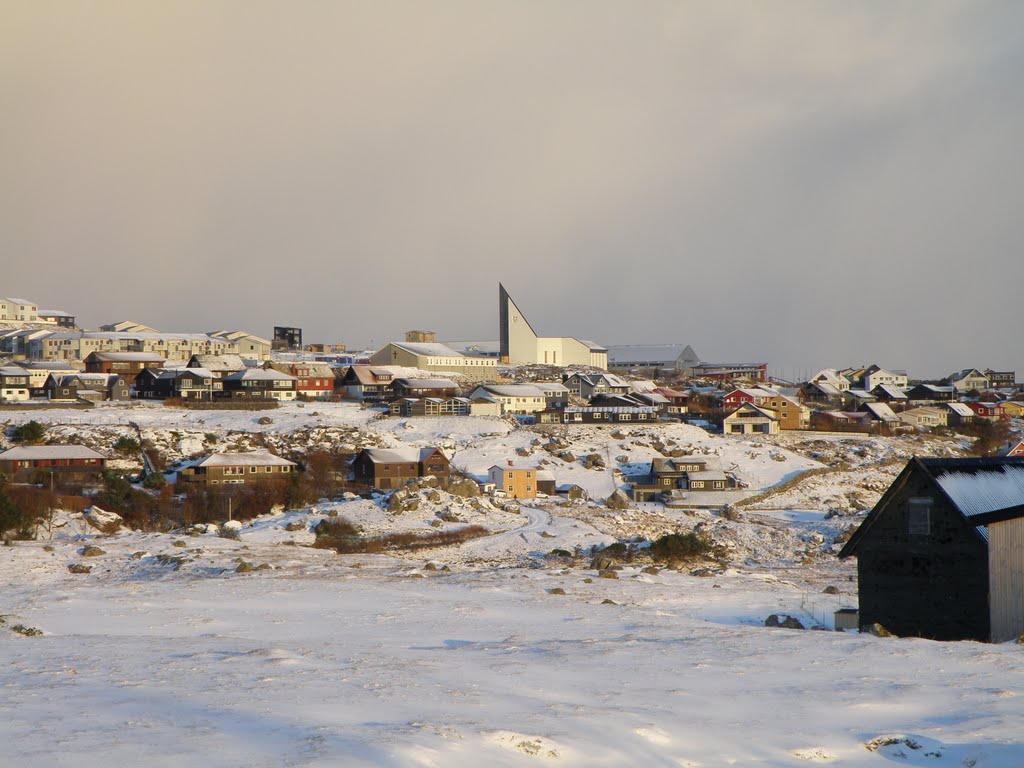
x: 822, y: 392
x: 887, y: 393
x: 790, y: 413
x: 388, y: 468
x: 245, y: 344
x: 40, y: 370
x: 831, y: 377
x: 697, y: 473
x: 219, y: 365
x: 1001, y: 379
x: 365, y: 382
x: 519, y: 344
x: 259, y: 383
x: 15, y: 384
x: 58, y: 317
x: 678, y: 402
x: 125, y: 364
x: 880, y: 413
x: 925, y: 417
x: 19, y: 310
x: 127, y: 326
x: 750, y: 419
x: 1013, y: 449
x: 589, y: 385
x: 32, y: 463
x: 874, y: 376
x: 93, y: 387
x: 556, y: 394
x: 436, y: 358
x: 598, y: 414
x: 519, y: 399
x: 838, y: 420
x: 312, y: 379
x: 940, y: 555
x: 855, y: 398
x: 968, y: 380
x: 1014, y: 409
x: 186, y: 383
x: 238, y: 469
x: 987, y: 411
x: 755, y: 395
x: 958, y: 414
x: 931, y: 393
x: 436, y: 388
x: 694, y: 368
x: 431, y: 406
x: 515, y: 479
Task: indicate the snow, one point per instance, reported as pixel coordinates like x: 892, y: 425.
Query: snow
x: 981, y: 491
x: 164, y: 654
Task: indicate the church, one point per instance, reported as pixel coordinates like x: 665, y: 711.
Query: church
x: 520, y: 345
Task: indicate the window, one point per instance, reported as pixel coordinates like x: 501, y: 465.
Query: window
x: 919, y: 516
x: 253, y: 470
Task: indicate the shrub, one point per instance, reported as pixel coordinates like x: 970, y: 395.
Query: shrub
x: 682, y: 546
x: 30, y: 432
x: 154, y: 480
x: 126, y: 445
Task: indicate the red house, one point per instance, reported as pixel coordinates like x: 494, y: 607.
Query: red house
x: 31, y: 462
x: 313, y: 379
x: 738, y: 397
x: 989, y: 411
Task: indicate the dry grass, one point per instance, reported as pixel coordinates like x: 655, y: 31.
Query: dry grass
x: 344, y: 538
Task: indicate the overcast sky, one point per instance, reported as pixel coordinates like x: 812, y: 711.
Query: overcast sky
x: 805, y: 183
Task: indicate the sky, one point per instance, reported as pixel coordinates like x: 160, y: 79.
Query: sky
x: 802, y: 183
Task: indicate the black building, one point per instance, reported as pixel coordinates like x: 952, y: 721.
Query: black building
x: 940, y: 555
x: 287, y: 338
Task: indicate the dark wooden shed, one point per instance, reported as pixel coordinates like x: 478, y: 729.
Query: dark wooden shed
x: 940, y: 555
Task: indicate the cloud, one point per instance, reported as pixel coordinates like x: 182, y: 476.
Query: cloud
x: 803, y: 183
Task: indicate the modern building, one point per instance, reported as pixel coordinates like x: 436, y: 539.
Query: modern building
x: 520, y: 345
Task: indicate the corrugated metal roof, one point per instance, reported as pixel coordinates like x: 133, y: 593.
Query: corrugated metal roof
x: 982, y: 491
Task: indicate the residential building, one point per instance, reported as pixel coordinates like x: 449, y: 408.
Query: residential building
x: 287, y: 338
x: 431, y: 406
x: 312, y: 379
x: 365, y: 382
x: 518, y: 399
x: 58, y: 317
x: 259, y: 383
x: 940, y: 554
x: 750, y: 419
x: 874, y: 376
x: 219, y: 365
x: 987, y: 411
x: 91, y: 387
x: 598, y: 414
x: 968, y: 380
x: 1001, y: 379
x: 931, y: 393
x: 958, y: 414
x: 686, y: 473
x: 436, y: 358
x: 925, y: 417
x: 434, y: 388
x: 248, y: 345
x: 589, y: 385
x: 515, y: 479
x: 755, y: 395
x: 388, y: 468
x: 790, y: 413
x: 18, y: 310
x: 125, y: 364
x: 661, y: 358
x: 186, y: 383
x: 14, y: 384
x: 238, y: 469
x: 33, y: 463
x: 519, y: 344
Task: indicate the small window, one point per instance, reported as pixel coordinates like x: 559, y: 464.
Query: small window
x: 253, y: 470
x: 919, y: 516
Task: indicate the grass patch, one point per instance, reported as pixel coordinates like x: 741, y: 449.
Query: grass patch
x: 345, y: 538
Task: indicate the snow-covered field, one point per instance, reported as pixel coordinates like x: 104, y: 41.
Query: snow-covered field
x: 165, y: 655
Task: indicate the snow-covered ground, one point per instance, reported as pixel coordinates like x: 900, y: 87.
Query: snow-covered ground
x: 163, y: 654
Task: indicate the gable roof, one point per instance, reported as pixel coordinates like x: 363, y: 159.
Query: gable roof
x: 983, y: 491
x: 434, y: 349
x: 36, y: 452
x: 250, y: 459
x: 399, y: 455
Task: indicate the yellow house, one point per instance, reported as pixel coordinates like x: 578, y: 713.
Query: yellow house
x: 514, y: 480
x: 1013, y: 409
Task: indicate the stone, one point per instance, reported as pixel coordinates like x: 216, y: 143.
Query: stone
x: 464, y: 488
x: 92, y: 551
x: 878, y: 630
x: 617, y: 500
x: 830, y: 590
x: 137, y: 555
x: 430, y: 567
x: 651, y: 570
x: 608, y: 574
x: 295, y: 525
x: 79, y: 568
x: 49, y: 548
x: 264, y: 420
x: 556, y: 591
x: 608, y: 601
x: 108, y: 522
x: 601, y: 563
x: 179, y: 543
x: 264, y: 567
x: 244, y: 567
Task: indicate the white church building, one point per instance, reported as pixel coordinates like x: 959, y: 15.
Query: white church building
x: 520, y: 345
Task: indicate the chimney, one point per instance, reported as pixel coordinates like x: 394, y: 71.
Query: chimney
x: 510, y: 462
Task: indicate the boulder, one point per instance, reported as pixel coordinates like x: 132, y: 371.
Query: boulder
x: 92, y: 551
x: 296, y: 525
x: 108, y: 522
x: 464, y: 487
x: 79, y: 568
x: 878, y: 630
x: 618, y: 500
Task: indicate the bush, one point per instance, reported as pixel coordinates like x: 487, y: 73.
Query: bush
x: 126, y: 445
x: 683, y: 546
x: 154, y: 480
x: 30, y: 432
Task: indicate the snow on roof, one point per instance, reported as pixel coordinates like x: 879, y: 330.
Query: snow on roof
x: 626, y: 354
x: 893, y: 391
x: 706, y: 475
x: 136, y: 357
x: 397, y: 455
x: 960, y: 408
x: 54, y: 313
x: 35, y: 452
x: 593, y: 345
x: 882, y: 411
x: 433, y: 349
x: 18, y: 301
x: 218, y: 362
x: 512, y: 390
x: 516, y: 464
x: 427, y: 383
x: 551, y: 387
x: 13, y: 370
x: 981, y: 491
x: 253, y: 459
x: 259, y: 374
